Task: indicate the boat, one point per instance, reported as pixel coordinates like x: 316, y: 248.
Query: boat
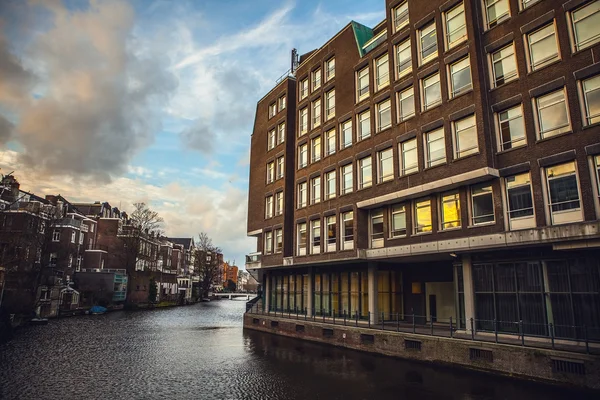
x: 97, y: 310
x: 206, y: 300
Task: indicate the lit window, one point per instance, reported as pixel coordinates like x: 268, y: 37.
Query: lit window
x: 330, y: 142
x: 331, y: 233
x: 408, y: 157
x: 315, y: 236
x: 496, y: 11
x: 456, y: 26
x: 303, y: 88
x: 302, y: 195
x: 330, y: 72
x: 520, y: 202
x: 316, y: 149
x: 460, y: 77
x: 450, y: 211
x: 280, y: 167
x: 591, y: 95
x: 384, y: 115
x: 347, y: 179
x: 316, y: 113
x: 504, y: 65
x: 346, y: 132
x: 330, y: 104
x: 301, y: 250
x: 269, y: 207
x: 303, y: 125
x: 465, y: 137
x: 552, y: 114
x: 422, y: 218
x: 382, y: 72
x: 348, y: 236
x: 585, y: 25
x: 563, y: 193
x: 268, y: 242
x: 385, y: 165
x: 406, y: 104
x: 315, y: 190
x: 543, y: 47
x: 427, y: 43
x: 377, y: 228
x: 330, y: 185
x: 278, y: 240
x: 398, y: 221
x: 364, y: 125
x: 271, y: 140
x: 282, y: 103
x: 279, y: 203
x: 365, y: 176
x: 363, y: 83
x: 272, y: 110
x: 432, y: 91
x: 403, y: 58
x: 400, y: 14
x: 482, y: 204
x: 512, y: 128
x: 281, y: 133
x: 316, y: 79
x: 435, y: 148
x: 270, y: 172
x: 303, y: 156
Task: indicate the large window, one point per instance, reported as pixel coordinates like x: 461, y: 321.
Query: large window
x: 585, y: 25
x: 398, y: 221
x: 281, y: 103
x: 281, y: 133
x: 406, y: 104
x: 303, y: 88
x: 435, y: 148
x: 409, y: 162
x: 422, y: 216
x: 301, y: 249
x: 330, y: 104
x: 330, y: 69
x: 348, y: 235
x: 315, y: 190
x: 316, y: 149
x: 316, y: 113
x: 362, y: 78
x: 528, y: 3
x: 278, y: 203
x: 331, y: 233
x: 385, y: 165
x: 347, y: 179
x: 460, y: 77
x: 563, y: 194
x: 520, y: 202
x: 268, y: 242
x: 272, y: 110
x: 403, y: 58
x: 280, y: 167
x: 303, y: 156
x: 384, y: 115
x: 271, y: 139
x: 504, y: 65
x: 330, y: 185
x: 552, y: 114
x: 278, y: 240
x: 512, y: 128
x: 346, y: 132
x: 496, y: 11
x: 456, y: 26
x: 482, y: 204
x: 316, y: 79
x: 465, y: 137
x: 427, y: 43
x: 591, y: 96
x: 543, y: 47
x: 450, y: 211
x: 270, y: 172
x: 400, y: 14
x: 365, y: 173
x: 315, y: 236
x: 303, y: 123
x: 330, y: 142
x: 269, y: 207
x: 364, y: 125
x: 302, y: 195
x: 377, y: 228
x: 382, y: 72
x: 432, y: 91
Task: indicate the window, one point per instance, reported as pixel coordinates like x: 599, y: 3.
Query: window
x: 281, y: 103
x: 278, y: 241
x: 81, y: 238
x: 450, y: 211
x: 591, y: 97
x: 597, y: 171
x: 272, y: 110
x: 403, y: 58
x: 482, y: 204
x: 362, y: 83
x: 330, y: 69
x: 315, y: 236
x: 406, y: 104
x: 408, y: 157
x: 330, y: 143
x: 512, y: 128
x: 460, y: 77
x: 563, y: 193
x: 301, y: 251
x: 496, y: 11
x: 427, y: 43
x: 303, y: 156
x: 303, y: 88
x: 347, y: 180
x: 520, y: 202
x: 365, y: 175
x: 316, y: 79
x: 504, y: 65
x: 316, y: 149
x: 400, y: 14
x: 278, y: 203
x: 432, y: 91
x: 384, y: 115
x: 543, y: 47
x: 331, y: 233
x: 303, y: 125
x: 385, y: 165
x: 348, y: 236
x: 456, y: 26
x: 364, y: 125
x: 585, y: 25
x: 302, y: 195
x: 73, y: 236
x: 316, y: 113
x: 422, y: 217
x: 398, y: 221
x: 315, y: 190
x: 270, y: 172
x: 281, y: 133
x: 346, y: 132
x: 330, y: 104
x: 280, y: 167
x: 330, y: 185
x: 382, y: 72
x: 56, y: 235
x: 271, y: 140
x: 552, y: 114
x: 435, y: 148
x: 465, y: 137
x: 528, y: 3
x: 268, y: 242
x: 377, y: 228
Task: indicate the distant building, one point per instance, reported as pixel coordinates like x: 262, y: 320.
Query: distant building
x: 230, y: 273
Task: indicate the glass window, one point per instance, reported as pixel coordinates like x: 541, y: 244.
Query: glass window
x: 278, y: 240
x: 330, y: 104
x: 377, y: 228
x: 456, y: 26
x: 269, y: 207
x: 365, y: 176
x: 315, y: 190
x: 364, y: 125
x: 279, y: 203
x: 346, y: 140
x: 330, y: 72
x: 363, y: 83
x: 403, y: 58
x: 528, y: 3
x: 432, y: 91
x: 591, y: 95
x: 482, y: 204
x: 504, y: 65
x: 271, y: 140
x: 512, y: 128
x: 423, y: 216
x: 400, y: 14
x: 347, y: 179
x: 465, y: 138
x: 316, y: 149
x: 280, y: 167
x: 520, y: 201
x: 330, y: 143
x: 552, y: 114
x: 281, y: 102
x: 406, y: 104
x: 272, y: 110
x: 496, y: 11
x: 460, y: 77
x: 597, y: 171
x: 270, y: 172
x: 451, y: 211
x: 382, y: 72
x: 330, y: 185
x: 303, y: 88
x: 316, y: 79
x: 315, y: 236
x: 427, y: 43
x: 331, y: 233
x: 303, y: 156
x: 268, y: 242
x: 585, y: 25
x: 384, y: 115
x: 281, y: 133
x: 302, y: 195
x: 385, y: 165
x: 316, y: 113
x: 563, y: 193
x: 543, y: 47
x: 408, y: 157
x: 303, y: 125
x: 348, y: 239
x: 398, y: 221
x: 435, y: 148
x: 301, y: 240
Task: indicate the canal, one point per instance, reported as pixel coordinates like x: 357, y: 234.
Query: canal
x: 202, y: 352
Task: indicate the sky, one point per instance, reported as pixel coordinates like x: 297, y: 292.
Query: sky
x: 153, y: 101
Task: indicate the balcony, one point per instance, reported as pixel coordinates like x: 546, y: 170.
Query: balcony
x: 68, y: 222
x: 253, y: 260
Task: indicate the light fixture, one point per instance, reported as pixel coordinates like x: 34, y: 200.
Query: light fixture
x: 453, y: 255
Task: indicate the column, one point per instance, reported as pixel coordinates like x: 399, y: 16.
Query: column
x: 267, y: 291
x: 469, y: 291
x: 309, y: 306
x: 373, y: 293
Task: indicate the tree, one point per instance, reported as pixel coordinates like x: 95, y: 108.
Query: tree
x: 207, y: 265
x: 231, y: 286
x: 146, y: 220
x: 152, y: 291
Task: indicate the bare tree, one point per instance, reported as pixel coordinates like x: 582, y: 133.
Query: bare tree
x: 207, y: 263
x: 146, y: 219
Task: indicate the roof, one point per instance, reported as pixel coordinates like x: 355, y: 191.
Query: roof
x: 185, y: 242
x: 88, y: 208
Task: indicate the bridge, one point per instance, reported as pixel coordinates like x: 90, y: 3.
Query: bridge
x: 248, y: 296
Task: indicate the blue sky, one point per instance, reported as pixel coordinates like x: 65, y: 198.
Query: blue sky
x: 154, y: 101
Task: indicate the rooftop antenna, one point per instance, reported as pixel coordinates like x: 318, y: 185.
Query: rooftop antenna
x: 294, y: 61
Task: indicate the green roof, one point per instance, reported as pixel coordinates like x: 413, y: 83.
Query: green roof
x: 362, y: 34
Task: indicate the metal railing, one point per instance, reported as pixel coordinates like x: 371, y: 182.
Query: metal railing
x: 571, y: 338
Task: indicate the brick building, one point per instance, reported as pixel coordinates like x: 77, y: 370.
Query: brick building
x: 443, y: 164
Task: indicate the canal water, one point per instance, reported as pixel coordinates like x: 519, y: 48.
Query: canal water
x: 202, y: 352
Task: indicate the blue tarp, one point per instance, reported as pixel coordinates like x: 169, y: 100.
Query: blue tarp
x: 97, y: 310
